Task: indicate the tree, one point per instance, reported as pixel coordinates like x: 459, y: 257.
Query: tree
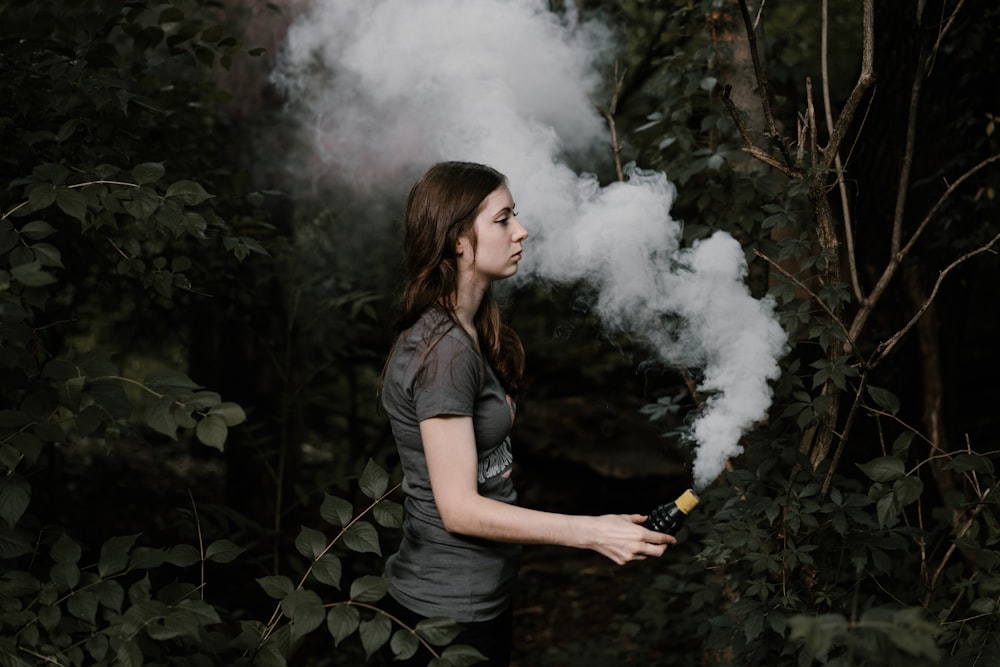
x: 872, y: 183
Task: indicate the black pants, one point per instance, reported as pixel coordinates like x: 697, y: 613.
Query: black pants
x: 492, y: 638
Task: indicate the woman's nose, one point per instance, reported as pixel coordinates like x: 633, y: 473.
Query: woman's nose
x: 520, y: 233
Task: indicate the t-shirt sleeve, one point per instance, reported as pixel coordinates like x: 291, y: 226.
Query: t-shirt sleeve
x: 449, y: 380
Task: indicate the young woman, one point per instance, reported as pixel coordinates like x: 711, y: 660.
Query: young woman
x: 447, y: 389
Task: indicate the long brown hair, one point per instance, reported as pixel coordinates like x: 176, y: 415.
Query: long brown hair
x: 441, y: 207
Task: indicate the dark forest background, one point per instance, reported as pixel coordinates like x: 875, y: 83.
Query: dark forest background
x: 194, y: 469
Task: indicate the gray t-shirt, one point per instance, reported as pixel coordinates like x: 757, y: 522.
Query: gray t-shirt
x: 436, y: 370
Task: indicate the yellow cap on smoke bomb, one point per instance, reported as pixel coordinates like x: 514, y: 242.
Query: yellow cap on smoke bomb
x: 687, y: 501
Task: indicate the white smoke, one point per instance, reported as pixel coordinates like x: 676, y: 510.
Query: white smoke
x: 387, y: 87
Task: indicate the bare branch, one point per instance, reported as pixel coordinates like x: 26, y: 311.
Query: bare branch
x: 865, y: 311
x: 749, y: 147
x: 609, y: 116
x: 865, y: 79
x: 845, y: 209
x: 885, y: 348
x: 765, y: 98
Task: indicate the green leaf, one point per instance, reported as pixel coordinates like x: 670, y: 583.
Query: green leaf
x: 901, y: 445
x: 885, y: 399
x: 883, y: 469
x: 907, y: 489
x: 72, y: 202
x: 231, y: 413
x: 970, y: 462
x: 169, y: 379
x: 142, y: 202
x: 41, y: 196
x: 83, y: 605
x: 276, y: 587
x: 128, y: 655
x: 65, y: 575
x: 31, y: 274
x: 223, y: 551
x: 363, y: 538
x: 114, y: 554
x: 13, y: 544
x: 388, y: 513
x: 203, y: 400
x: 159, y: 417
x: 110, y: 594
x: 887, y: 509
x: 438, y: 630
x: 311, y: 543
x: 817, y: 632
x: 336, y: 511
x: 369, y: 588
x: 305, y: 608
x: 188, y: 192
x: 148, y: 172
x: 403, y: 644
x: 15, y: 496
x: 65, y: 550
x: 146, y: 558
x: 458, y: 655
x: 212, y: 431
x: 183, y: 555
x: 327, y: 570
x: 36, y: 230
x: 47, y: 255
x: 342, y: 620
x: 374, y: 633
x: 374, y: 480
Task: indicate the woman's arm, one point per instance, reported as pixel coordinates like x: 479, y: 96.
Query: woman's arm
x: 450, y: 448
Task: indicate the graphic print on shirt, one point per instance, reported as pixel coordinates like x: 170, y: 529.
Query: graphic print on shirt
x: 497, y: 463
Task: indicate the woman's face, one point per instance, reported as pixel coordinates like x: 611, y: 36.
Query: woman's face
x: 498, y: 239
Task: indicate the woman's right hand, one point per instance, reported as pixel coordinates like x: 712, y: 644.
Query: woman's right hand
x: 623, y: 539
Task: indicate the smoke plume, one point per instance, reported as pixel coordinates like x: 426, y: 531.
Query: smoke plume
x: 384, y: 88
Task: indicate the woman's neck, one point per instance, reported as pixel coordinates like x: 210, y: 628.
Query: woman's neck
x: 466, y: 303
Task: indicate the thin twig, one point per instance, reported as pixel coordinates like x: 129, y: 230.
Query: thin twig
x: 609, y: 116
x: 882, y: 284
x: 885, y: 348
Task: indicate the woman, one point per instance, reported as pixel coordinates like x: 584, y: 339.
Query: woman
x: 447, y: 387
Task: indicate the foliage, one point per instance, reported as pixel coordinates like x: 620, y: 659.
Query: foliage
x: 881, y: 551
x: 124, y: 608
